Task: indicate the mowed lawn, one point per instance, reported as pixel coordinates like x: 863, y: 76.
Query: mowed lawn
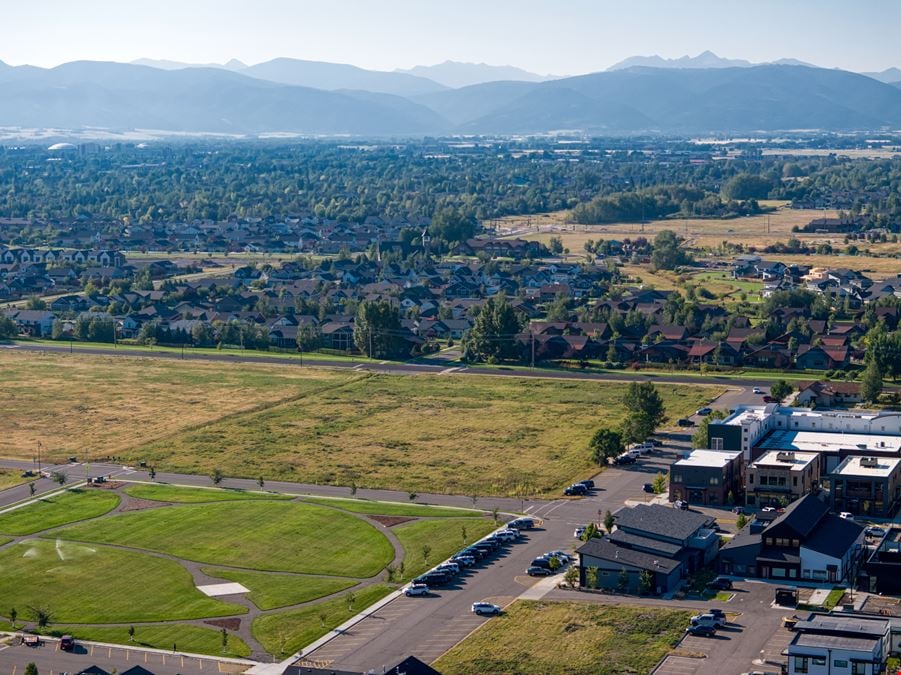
x: 186, y: 495
x: 259, y: 535
x: 458, y: 434
x: 80, y: 583
x: 270, y: 591
x: 284, y: 633
x: 67, y: 507
x: 103, y: 405
x: 393, y: 508
x: 187, y: 638
x: 568, y: 638
x: 444, y: 537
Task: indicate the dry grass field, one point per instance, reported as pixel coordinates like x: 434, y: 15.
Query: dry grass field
x: 460, y: 434
x: 95, y: 406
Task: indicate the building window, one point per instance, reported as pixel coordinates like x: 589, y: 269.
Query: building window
x: 716, y: 443
x: 714, y: 480
x: 839, y: 663
x: 801, y: 664
x: 796, y: 543
x: 859, y: 668
x: 818, y: 660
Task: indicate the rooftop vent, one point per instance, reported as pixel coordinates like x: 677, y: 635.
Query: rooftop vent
x: 869, y: 462
x: 785, y: 457
x: 862, y: 446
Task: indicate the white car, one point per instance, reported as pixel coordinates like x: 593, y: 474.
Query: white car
x: 485, y: 608
x: 579, y: 531
x: 416, y: 589
x: 847, y: 515
x: 757, y: 390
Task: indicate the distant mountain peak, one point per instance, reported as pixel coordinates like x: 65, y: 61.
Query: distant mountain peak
x: 456, y: 74
x: 706, y: 59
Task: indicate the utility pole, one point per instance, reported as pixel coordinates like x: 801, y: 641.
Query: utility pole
x: 39, y: 458
x: 533, y: 347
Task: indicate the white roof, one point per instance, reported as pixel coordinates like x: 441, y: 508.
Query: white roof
x: 709, y: 458
x: 826, y: 441
x: 798, y: 463
x: 851, y: 466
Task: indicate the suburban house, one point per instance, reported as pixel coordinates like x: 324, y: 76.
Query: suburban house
x: 779, y: 477
x: 34, y: 322
x: 866, y: 486
x: 828, y: 394
x: 667, y: 543
x: 707, y: 477
x: 805, y: 542
x: 839, y: 643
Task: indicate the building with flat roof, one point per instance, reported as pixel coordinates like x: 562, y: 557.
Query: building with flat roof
x: 707, y: 477
x: 882, y: 571
x: 866, y: 485
x: 839, y: 643
x: 834, y: 431
x: 779, y: 477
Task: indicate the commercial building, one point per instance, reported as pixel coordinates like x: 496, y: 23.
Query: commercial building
x: 707, y: 477
x: 779, y: 477
x: 658, y: 543
x: 882, y: 571
x: 866, y: 486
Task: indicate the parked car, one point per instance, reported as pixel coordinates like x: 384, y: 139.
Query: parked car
x: 625, y: 458
x: 535, y: 571
x: 67, y: 643
x: 485, y: 608
x: 577, y: 490
x: 770, y: 399
x: 685, y: 422
x: 416, y: 589
x: 522, y: 523
x: 757, y: 390
x: 720, y: 584
x: 648, y: 487
x: 451, y: 567
x: 464, y: 559
x: 702, y: 630
x: 703, y: 412
x: 656, y: 442
x: 640, y: 448
x: 847, y: 515
x: 579, y: 531
x: 681, y: 505
x: 875, y: 531
x: 541, y: 561
x: 740, y: 510
x: 708, y: 620
x: 562, y: 556
x: 588, y: 483
x: 508, y: 535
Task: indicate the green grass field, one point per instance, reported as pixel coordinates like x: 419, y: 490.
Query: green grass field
x: 286, y: 632
x: 452, y: 434
x: 68, y: 507
x: 80, y: 583
x: 190, y: 639
x: 392, y: 508
x: 271, y: 591
x: 444, y: 537
x: 568, y: 638
x: 259, y: 535
x: 187, y: 495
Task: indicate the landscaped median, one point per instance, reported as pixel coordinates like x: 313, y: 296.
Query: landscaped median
x: 65, y: 506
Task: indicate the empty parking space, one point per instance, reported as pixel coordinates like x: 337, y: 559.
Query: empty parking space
x: 679, y: 665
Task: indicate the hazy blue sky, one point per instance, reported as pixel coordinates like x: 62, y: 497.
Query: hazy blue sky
x: 548, y: 36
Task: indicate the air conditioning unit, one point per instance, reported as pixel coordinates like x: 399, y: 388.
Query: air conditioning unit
x: 869, y: 462
x: 785, y: 456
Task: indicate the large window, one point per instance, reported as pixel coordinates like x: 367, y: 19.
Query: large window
x: 801, y: 664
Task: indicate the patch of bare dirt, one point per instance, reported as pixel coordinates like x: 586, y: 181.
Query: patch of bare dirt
x: 133, y: 504
x: 391, y: 521
x: 228, y: 624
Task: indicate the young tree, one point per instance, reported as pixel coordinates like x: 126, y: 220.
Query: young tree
x: 426, y: 552
x: 645, y: 582
x: 554, y: 563
x: 604, y: 444
x: 13, y: 615
x: 622, y: 579
x: 591, y: 531
x: 216, y: 476
x: 412, y: 496
x: 871, y: 382
x: 659, y: 484
x: 31, y: 669
x: 31, y: 488
x: 571, y: 576
x: 609, y: 522
x: 152, y: 473
x: 741, y: 521
x: 591, y: 577
x: 131, y: 633
x: 261, y: 482
x: 59, y: 477
x: 463, y: 533
x: 224, y: 639
x: 780, y: 389
x: 350, y: 597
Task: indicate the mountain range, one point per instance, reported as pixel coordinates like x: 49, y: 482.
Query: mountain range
x: 314, y: 98
x: 456, y: 74
x: 706, y: 59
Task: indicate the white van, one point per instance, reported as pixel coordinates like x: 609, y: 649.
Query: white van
x: 640, y: 448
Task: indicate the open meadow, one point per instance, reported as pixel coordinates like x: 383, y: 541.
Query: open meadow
x: 571, y: 638
x: 94, y: 406
x: 459, y: 434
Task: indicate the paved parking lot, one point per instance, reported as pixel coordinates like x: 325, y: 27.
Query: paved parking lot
x: 51, y: 661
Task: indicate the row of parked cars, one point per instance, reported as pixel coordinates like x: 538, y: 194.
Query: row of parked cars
x: 480, y: 551
x: 548, y: 563
x: 579, y: 489
x: 705, y: 625
x: 636, y: 450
